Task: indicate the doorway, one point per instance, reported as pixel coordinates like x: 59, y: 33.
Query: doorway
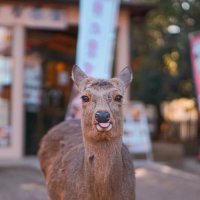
x: 49, y: 57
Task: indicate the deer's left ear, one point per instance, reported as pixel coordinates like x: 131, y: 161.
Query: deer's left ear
x: 78, y: 76
x: 126, y: 76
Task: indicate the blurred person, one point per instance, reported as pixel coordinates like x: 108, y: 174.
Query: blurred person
x: 74, y: 111
x: 198, y: 154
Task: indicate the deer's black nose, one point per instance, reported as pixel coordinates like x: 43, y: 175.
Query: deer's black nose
x: 102, y: 116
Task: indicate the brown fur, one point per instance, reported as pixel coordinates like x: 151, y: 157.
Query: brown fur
x: 80, y: 163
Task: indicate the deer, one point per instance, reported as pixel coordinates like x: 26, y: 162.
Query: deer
x: 87, y: 160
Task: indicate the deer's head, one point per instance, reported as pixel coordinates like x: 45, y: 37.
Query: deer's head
x: 102, y: 102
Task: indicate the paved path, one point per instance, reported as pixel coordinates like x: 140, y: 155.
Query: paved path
x: 165, y: 183
x: 154, y: 182
x: 21, y: 183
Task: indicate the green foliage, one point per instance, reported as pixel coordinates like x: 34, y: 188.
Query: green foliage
x: 162, y: 59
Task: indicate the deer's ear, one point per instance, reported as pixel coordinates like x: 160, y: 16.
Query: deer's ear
x: 78, y: 76
x: 126, y: 76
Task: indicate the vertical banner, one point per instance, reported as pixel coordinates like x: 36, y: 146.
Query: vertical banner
x: 97, y: 32
x: 195, y: 58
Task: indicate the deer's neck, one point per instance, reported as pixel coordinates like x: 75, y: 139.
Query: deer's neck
x: 103, y: 165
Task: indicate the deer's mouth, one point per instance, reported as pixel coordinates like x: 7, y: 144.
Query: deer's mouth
x: 104, y: 126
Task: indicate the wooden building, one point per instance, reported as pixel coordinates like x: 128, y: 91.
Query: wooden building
x: 37, y: 50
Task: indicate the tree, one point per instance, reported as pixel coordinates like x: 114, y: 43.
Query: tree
x: 161, y: 54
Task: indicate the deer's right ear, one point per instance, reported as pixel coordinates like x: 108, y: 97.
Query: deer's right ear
x: 78, y: 76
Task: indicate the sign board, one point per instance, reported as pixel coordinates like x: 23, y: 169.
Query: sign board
x: 32, y: 82
x: 5, y: 70
x: 136, y: 130
x: 34, y: 17
x: 96, y: 36
x: 195, y: 58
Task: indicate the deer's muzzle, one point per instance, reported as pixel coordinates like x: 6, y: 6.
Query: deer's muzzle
x: 103, y: 121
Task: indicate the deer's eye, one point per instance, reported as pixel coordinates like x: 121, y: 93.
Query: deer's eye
x: 118, y: 98
x: 85, y: 98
